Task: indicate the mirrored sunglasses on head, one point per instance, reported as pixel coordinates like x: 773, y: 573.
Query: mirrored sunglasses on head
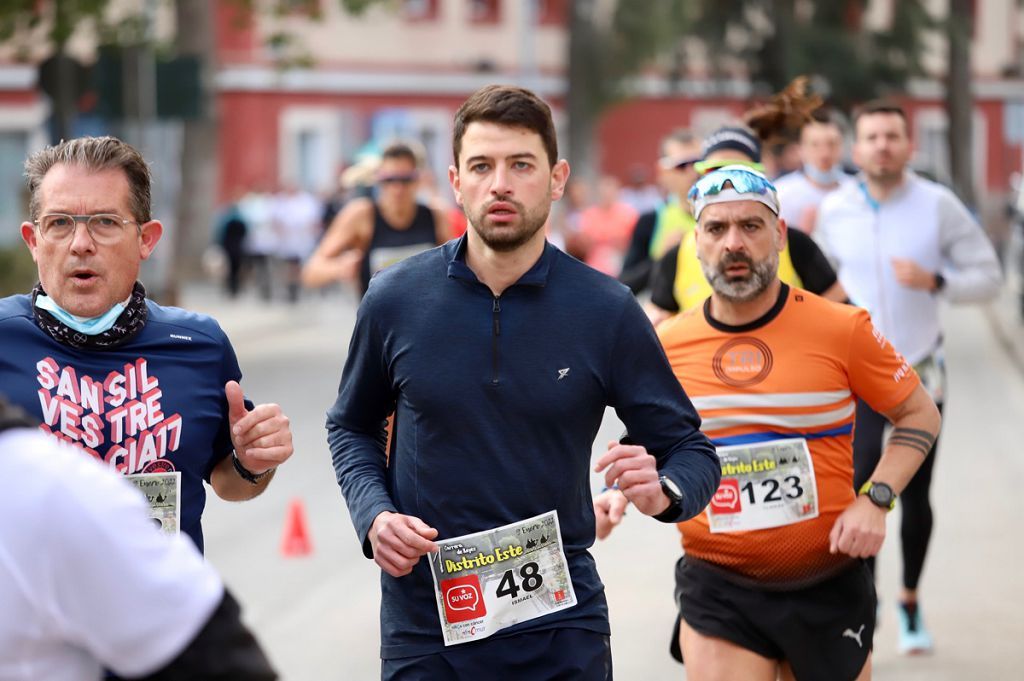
x: 739, y: 179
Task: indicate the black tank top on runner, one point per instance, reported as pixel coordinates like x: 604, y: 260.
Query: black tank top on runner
x: 389, y: 245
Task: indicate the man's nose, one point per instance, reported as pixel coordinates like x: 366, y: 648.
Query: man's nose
x: 733, y: 240
x: 81, y: 238
x: 500, y: 184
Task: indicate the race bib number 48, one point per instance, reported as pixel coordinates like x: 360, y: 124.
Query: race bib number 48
x: 490, y: 580
x: 764, y: 485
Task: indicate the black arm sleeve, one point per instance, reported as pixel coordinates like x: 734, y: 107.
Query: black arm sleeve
x: 223, y: 650
x: 636, y: 267
x: 810, y: 262
x: 663, y: 281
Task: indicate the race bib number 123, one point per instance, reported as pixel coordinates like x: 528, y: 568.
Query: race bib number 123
x: 764, y: 485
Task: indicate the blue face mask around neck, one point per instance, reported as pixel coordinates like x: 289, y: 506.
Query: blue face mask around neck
x: 92, y: 326
x: 823, y: 177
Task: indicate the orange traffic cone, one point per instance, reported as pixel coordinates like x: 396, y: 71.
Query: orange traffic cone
x: 296, y: 542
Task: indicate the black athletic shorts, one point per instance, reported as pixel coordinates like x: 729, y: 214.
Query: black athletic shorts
x: 824, y: 631
x: 548, y: 655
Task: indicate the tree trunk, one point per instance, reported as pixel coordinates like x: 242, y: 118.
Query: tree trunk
x: 199, y: 179
x: 584, y: 90
x: 777, y: 67
x: 960, y: 100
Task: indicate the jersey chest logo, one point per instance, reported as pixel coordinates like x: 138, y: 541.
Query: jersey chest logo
x: 742, y: 362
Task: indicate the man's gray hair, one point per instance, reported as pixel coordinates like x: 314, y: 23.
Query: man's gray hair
x: 94, y: 153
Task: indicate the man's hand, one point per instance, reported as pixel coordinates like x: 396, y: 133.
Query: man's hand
x: 635, y: 472
x: 398, y: 542
x: 859, y: 530
x: 609, y: 508
x: 910, y: 274
x: 262, y: 437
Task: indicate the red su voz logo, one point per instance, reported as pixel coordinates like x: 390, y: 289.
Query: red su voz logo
x: 462, y: 599
x: 727, y: 498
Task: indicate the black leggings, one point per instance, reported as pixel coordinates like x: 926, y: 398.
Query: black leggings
x: 916, y: 524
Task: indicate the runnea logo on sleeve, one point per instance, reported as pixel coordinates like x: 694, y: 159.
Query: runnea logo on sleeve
x: 764, y: 485
x: 488, y: 581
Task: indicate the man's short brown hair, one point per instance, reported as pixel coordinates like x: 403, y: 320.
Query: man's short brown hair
x: 507, y: 105
x: 401, y: 150
x: 94, y: 153
x: 880, y: 106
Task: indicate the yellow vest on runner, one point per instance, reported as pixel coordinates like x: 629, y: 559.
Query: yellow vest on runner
x: 692, y: 289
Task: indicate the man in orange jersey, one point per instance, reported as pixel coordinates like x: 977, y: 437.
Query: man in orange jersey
x: 773, y: 582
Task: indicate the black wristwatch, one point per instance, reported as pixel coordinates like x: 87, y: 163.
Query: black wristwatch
x: 675, y: 497
x: 880, y: 494
x: 246, y: 474
x: 940, y: 283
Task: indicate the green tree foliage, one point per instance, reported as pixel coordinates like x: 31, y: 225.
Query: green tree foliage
x: 19, y: 17
x: 822, y: 38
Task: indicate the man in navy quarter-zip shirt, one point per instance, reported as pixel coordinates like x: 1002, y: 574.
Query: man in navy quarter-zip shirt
x: 498, y: 354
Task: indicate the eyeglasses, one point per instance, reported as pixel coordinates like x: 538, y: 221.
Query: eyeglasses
x: 398, y: 179
x: 103, y: 228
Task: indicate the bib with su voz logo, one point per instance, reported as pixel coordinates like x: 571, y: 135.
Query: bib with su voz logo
x: 490, y: 580
x: 764, y: 485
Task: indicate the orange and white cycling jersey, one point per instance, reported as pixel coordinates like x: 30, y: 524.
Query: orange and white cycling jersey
x: 763, y: 390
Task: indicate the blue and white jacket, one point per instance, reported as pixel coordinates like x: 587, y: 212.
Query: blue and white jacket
x: 922, y: 221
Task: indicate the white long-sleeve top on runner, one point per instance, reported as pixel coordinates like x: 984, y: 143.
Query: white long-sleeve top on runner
x: 922, y: 221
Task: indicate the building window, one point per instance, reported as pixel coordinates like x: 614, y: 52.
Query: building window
x: 419, y: 10
x: 552, y: 12
x: 484, y: 11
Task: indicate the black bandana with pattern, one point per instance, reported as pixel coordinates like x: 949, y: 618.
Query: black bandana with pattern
x: 127, y: 326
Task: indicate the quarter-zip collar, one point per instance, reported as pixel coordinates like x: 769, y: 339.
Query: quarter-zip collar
x: 908, y: 177
x: 537, y: 275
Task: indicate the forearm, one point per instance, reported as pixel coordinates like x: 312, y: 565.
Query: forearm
x: 360, y: 467
x: 695, y: 467
x: 915, y: 428
x: 230, y: 486
x: 977, y: 284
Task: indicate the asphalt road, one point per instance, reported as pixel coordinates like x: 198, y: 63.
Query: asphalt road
x: 317, y: 615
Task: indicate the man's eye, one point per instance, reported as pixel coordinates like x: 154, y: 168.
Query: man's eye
x: 479, y: 167
x: 59, y: 221
x: 106, y: 220
x: 520, y: 165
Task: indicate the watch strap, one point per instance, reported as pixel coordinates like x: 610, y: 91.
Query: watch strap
x: 865, y: 489
x: 245, y: 473
x: 670, y: 514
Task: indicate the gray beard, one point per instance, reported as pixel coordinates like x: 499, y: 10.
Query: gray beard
x: 743, y: 290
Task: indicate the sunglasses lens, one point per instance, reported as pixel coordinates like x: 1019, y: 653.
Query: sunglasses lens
x: 397, y: 179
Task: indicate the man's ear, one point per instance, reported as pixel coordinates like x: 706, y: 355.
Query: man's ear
x: 456, y: 183
x: 150, y: 235
x: 29, y: 236
x: 559, y: 177
x: 783, y: 233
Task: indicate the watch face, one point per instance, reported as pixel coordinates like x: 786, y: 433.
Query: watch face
x: 671, y: 489
x: 881, y: 494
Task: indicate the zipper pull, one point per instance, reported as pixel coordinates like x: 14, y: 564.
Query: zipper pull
x: 496, y: 308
